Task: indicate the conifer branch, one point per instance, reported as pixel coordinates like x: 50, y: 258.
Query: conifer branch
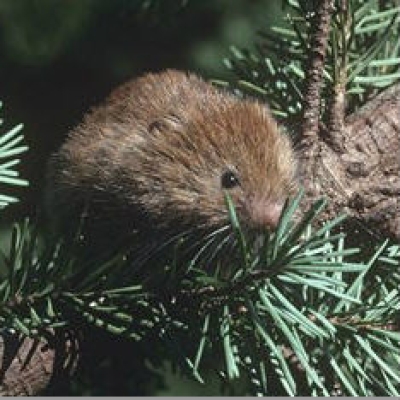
x: 336, y: 103
x: 319, y: 28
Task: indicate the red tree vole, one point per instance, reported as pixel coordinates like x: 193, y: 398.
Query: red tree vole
x: 158, y: 155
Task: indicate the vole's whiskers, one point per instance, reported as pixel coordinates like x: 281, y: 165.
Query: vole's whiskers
x: 208, y: 241
x: 218, y: 249
x: 153, y: 248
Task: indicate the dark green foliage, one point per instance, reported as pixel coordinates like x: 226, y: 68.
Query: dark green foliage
x: 296, y: 291
x: 363, y: 51
x: 10, y: 148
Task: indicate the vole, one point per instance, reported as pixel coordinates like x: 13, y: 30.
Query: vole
x: 158, y: 157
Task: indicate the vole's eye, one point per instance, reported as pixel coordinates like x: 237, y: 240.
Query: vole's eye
x: 229, y: 180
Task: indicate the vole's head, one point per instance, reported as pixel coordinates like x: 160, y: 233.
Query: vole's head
x: 158, y: 159
x: 192, y: 156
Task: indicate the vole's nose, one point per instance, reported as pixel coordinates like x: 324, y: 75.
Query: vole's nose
x: 265, y: 214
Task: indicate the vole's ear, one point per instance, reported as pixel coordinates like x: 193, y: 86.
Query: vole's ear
x: 169, y: 122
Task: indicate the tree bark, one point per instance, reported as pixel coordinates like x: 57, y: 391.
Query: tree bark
x: 319, y: 32
x: 354, y: 162
x: 28, y: 365
x: 361, y: 176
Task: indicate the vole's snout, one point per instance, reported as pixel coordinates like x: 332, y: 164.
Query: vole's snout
x: 265, y: 215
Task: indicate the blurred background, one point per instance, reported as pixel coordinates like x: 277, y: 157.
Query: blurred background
x: 58, y: 58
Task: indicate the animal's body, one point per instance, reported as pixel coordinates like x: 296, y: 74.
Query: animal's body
x: 159, y: 155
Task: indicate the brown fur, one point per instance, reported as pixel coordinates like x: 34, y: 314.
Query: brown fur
x: 154, y: 154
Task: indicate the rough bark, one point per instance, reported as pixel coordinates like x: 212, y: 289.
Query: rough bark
x: 361, y: 176
x: 28, y: 365
x: 319, y: 32
x: 354, y: 162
